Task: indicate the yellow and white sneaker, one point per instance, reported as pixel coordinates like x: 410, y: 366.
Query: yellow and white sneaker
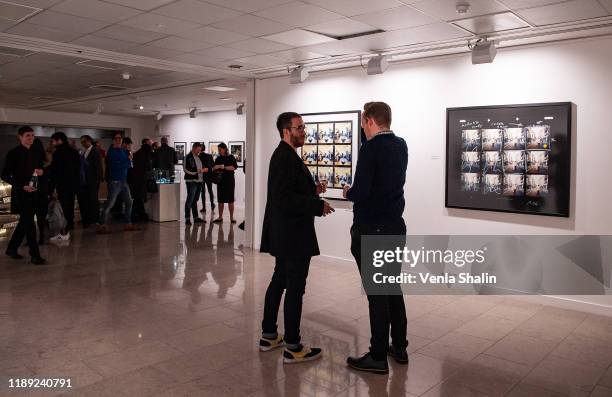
x: 266, y: 344
x: 301, y: 354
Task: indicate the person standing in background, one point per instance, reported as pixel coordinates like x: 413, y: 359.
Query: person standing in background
x: 118, y: 162
x: 65, y: 176
x: 378, y: 197
x: 22, y: 167
x: 42, y: 192
x: 226, y: 165
x: 194, y: 171
x: 142, y: 173
x: 91, y: 176
x: 166, y: 158
x: 207, y: 162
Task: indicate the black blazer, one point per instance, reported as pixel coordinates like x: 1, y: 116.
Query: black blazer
x: 207, y: 162
x: 288, y: 226
x: 93, y: 168
x: 65, y: 169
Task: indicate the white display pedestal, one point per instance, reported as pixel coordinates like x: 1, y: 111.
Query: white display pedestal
x: 165, y: 205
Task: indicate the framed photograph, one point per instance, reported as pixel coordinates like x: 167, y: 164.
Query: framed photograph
x: 510, y: 158
x: 236, y: 148
x: 213, y: 149
x: 331, y: 147
x: 181, y: 151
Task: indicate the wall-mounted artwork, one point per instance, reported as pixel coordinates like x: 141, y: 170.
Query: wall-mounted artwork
x: 330, y: 148
x: 181, y: 151
x: 513, y: 158
x: 236, y: 148
x: 213, y: 149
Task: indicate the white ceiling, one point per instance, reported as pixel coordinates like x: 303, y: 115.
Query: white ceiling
x: 255, y: 34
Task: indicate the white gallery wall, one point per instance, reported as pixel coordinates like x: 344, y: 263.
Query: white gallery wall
x: 419, y: 93
x: 208, y: 127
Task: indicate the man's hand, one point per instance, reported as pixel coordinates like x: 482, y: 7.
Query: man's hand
x: 345, y: 190
x: 327, y: 209
x: 38, y: 171
x: 321, y: 188
x: 204, y: 170
x: 29, y: 189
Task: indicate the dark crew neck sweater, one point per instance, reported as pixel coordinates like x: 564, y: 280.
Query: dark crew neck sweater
x: 378, y: 187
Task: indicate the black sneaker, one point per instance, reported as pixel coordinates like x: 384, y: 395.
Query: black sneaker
x: 14, y: 255
x: 187, y: 222
x: 301, y: 355
x: 267, y: 344
x: 399, y: 355
x: 367, y: 363
x: 199, y: 220
x: 38, y: 261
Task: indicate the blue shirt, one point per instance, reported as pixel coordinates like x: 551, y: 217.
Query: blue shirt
x: 118, y: 164
x: 378, y: 188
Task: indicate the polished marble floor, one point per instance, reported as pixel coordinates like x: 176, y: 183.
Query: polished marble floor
x: 175, y: 311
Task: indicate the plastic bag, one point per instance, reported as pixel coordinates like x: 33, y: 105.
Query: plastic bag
x: 55, y: 217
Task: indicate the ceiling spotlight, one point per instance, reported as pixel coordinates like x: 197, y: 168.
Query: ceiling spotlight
x: 158, y: 116
x: 126, y: 75
x: 193, y: 113
x: 463, y: 7
x: 378, y: 64
x: 140, y: 107
x: 240, y: 108
x: 483, y: 51
x: 298, y: 75
x: 99, y: 108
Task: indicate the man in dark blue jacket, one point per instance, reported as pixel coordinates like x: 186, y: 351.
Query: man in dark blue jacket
x: 118, y: 162
x: 289, y: 235
x: 378, y: 197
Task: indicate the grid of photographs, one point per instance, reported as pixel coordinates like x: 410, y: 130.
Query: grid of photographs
x: 328, y: 152
x: 506, y: 161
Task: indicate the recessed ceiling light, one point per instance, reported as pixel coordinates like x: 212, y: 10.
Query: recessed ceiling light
x: 234, y: 66
x: 226, y: 99
x: 220, y: 88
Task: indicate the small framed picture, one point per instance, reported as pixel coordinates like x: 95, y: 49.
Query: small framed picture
x: 181, y: 149
x: 236, y: 149
x: 213, y: 149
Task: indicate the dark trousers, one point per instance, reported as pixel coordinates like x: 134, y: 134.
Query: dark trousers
x: 89, y: 203
x: 66, y: 199
x: 26, y: 226
x: 191, y: 203
x: 385, y: 310
x: 290, y: 276
x: 207, y: 185
x: 42, y: 209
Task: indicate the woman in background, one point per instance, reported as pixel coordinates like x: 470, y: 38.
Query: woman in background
x: 42, y: 191
x: 225, y: 165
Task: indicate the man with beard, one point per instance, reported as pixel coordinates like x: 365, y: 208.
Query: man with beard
x: 289, y: 235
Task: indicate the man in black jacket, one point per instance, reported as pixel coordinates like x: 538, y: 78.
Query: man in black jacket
x: 166, y: 158
x: 91, y: 176
x: 20, y: 165
x: 207, y: 162
x: 378, y: 197
x: 289, y: 235
x: 65, y: 170
x: 142, y: 172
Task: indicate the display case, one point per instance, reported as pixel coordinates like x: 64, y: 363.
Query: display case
x: 164, y: 206
x: 5, y: 197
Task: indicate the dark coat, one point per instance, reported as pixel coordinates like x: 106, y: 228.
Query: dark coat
x: 93, y: 167
x: 207, y: 162
x: 288, y: 226
x: 65, y: 169
x: 17, y: 172
x: 165, y: 157
x: 142, y: 171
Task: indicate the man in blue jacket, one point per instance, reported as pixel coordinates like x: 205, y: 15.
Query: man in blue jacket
x: 118, y: 162
x: 378, y: 197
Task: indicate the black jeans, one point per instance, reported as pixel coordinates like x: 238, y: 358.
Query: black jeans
x: 385, y: 310
x: 66, y: 199
x: 289, y: 275
x: 26, y: 226
x: 191, y: 202
x: 89, y: 203
x: 207, y: 185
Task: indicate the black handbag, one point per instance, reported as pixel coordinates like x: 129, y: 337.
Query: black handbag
x: 216, y: 177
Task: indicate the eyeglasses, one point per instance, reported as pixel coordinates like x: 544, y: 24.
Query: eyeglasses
x: 299, y: 127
